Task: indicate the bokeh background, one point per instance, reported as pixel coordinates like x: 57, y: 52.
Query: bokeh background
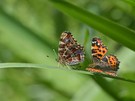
x: 30, y: 31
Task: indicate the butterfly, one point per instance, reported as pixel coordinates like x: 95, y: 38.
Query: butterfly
x: 101, y: 63
x: 69, y: 51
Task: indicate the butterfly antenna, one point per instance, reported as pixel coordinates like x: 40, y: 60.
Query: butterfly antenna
x: 56, y: 56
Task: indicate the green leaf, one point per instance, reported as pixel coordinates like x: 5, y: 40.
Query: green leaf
x: 31, y: 65
x: 111, y: 29
x: 131, y: 2
x: 105, y: 84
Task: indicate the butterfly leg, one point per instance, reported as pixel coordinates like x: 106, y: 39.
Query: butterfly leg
x: 68, y: 67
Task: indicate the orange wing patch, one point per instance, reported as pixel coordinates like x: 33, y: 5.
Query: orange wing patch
x: 98, y: 49
x: 101, y: 63
x: 113, y: 62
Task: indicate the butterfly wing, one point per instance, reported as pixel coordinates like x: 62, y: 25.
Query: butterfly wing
x: 98, y: 50
x: 70, y: 52
x: 112, y: 62
x: 102, y: 64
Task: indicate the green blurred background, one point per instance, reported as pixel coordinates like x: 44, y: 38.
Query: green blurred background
x: 30, y: 30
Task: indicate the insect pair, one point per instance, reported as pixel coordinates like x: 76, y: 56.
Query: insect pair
x: 72, y: 53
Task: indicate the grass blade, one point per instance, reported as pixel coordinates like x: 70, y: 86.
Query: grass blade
x: 31, y: 65
x: 111, y: 29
